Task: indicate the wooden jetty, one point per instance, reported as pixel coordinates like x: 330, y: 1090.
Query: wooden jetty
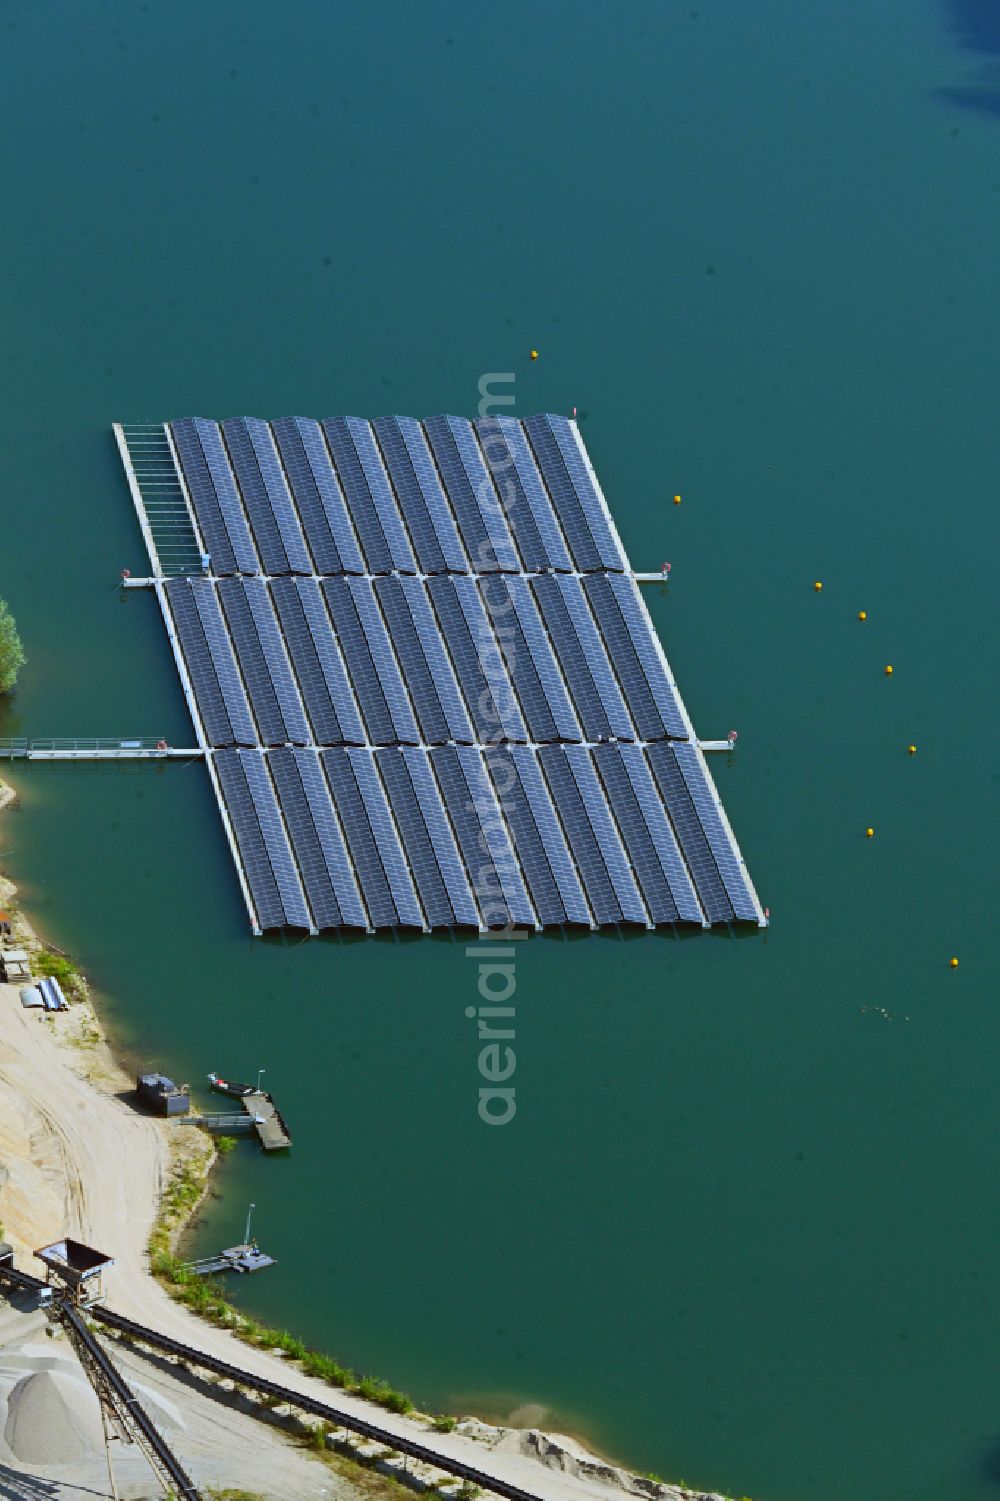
x: 271, y: 1129
x: 259, y: 1106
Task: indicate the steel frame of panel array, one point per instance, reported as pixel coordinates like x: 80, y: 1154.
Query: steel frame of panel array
x: 581, y: 512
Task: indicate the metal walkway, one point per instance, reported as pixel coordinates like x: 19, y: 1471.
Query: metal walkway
x: 148, y: 457
x: 81, y: 748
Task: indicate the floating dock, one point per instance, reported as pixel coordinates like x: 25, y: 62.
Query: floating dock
x: 246, y: 1258
x: 404, y: 644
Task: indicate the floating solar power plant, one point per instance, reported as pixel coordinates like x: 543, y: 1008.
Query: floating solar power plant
x: 427, y: 686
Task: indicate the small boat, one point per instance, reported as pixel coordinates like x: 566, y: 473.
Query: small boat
x: 228, y: 1086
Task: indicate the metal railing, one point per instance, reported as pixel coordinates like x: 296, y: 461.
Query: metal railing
x: 87, y: 748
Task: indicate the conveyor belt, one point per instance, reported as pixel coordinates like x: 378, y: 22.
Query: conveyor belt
x: 123, y: 1398
x: 310, y: 1405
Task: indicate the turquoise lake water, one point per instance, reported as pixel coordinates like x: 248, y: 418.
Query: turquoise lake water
x: 743, y: 1227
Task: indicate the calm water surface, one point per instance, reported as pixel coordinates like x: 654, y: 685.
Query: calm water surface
x: 743, y: 1227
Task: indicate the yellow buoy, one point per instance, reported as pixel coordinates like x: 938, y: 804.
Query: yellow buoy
x: 953, y: 962
x: 869, y: 833
x: 534, y: 354
x: 888, y: 669
x: 677, y: 500
x: 818, y: 585
x: 911, y: 750
x: 862, y: 614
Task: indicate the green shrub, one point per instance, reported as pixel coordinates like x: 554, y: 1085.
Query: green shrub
x: 444, y: 1422
x: 12, y: 657
x: 57, y: 966
x: 225, y: 1144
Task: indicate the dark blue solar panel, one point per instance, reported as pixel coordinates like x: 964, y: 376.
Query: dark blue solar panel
x: 265, y: 851
x: 278, y: 494
x: 200, y: 669
x: 419, y: 678
x: 518, y: 659
x: 265, y: 496
x: 412, y: 827
x: 320, y: 500
x: 386, y: 835
x: 580, y: 834
x: 224, y: 662
x: 275, y: 838
x: 731, y: 868
x: 442, y: 838
x: 360, y: 665
x: 484, y: 529
x: 606, y: 833
x: 689, y: 831
x: 584, y: 482
x: 313, y: 516
x: 228, y: 496
x: 297, y: 730
x: 249, y: 838
x: 305, y: 839
x: 358, y: 434
x: 482, y: 836
x: 550, y: 463
x: 657, y: 822
x: 360, y: 840
x: 360, y: 502
x: 495, y: 836
x: 409, y: 494
x: 539, y: 644
x: 510, y: 495
x: 326, y: 729
x: 204, y: 501
x: 637, y: 838
x: 442, y: 517
x: 319, y: 844
x: 267, y: 712
x: 479, y: 699
x: 530, y: 846
x: 438, y: 661
x: 572, y: 659
x: 386, y: 665
x: 551, y: 834
x: 650, y: 655
x: 262, y: 660
x: 529, y: 509
x: 491, y: 661
x: 621, y: 650
x: 328, y: 653
x: 331, y: 839
x: 596, y: 655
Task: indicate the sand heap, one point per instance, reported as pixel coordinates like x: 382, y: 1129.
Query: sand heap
x: 53, y: 1417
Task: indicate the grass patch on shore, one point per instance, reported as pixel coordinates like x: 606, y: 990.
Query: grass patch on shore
x: 45, y: 961
x: 206, y: 1297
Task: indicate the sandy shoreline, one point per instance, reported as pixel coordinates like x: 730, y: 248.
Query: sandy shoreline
x: 76, y: 1158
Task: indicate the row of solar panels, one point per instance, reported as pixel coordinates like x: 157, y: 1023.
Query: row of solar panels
x: 396, y: 496
x: 424, y: 661
x: 460, y: 836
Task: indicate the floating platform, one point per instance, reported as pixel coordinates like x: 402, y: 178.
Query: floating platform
x: 423, y: 679
x: 245, y: 1258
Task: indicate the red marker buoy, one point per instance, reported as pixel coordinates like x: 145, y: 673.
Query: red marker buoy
x: 126, y: 573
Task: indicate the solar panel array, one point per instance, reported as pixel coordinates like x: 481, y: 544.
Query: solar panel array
x: 429, y: 687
